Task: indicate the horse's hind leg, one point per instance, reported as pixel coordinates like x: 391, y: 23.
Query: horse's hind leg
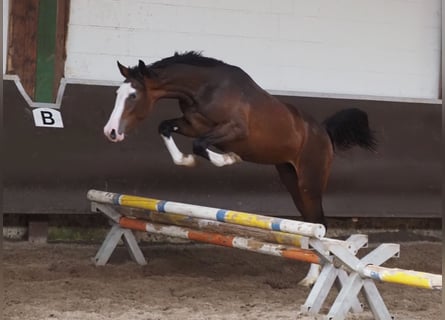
x: 306, y: 189
x: 225, y: 132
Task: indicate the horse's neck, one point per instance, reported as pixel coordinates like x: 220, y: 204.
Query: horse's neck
x: 181, y: 84
x: 183, y: 94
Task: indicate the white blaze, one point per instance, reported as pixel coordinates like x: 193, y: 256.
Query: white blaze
x: 113, y: 123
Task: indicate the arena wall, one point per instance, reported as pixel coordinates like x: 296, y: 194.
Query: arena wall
x: 374, y: 48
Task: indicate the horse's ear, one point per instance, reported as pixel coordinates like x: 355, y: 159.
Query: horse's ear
x: 142, y: 68
x: 145, y: 71
x: 123, y: 70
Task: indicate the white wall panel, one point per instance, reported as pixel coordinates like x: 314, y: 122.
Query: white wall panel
x: 385, y: 48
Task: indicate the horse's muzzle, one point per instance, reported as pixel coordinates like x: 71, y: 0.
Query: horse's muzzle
x: 113, y: 135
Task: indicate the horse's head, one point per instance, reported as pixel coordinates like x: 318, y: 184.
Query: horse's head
x: 133, y: 102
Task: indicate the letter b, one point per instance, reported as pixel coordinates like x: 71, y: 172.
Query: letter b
x: 47, y: 118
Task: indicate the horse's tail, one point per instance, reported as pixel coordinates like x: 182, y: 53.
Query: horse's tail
x: 348, y: 128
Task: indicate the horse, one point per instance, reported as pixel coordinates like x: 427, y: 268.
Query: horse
x: 224, y: 108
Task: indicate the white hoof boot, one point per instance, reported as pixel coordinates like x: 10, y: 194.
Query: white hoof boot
x: 225, y: 159
x: 188, y: 160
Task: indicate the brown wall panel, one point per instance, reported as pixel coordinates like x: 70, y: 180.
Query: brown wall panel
x: 22, y: 46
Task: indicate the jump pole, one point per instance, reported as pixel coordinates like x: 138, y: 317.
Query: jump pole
x: 221, y: 240
x: 219, y: 227
x: 228, y: 216
x: 410, y: 278
x: 278, y: 237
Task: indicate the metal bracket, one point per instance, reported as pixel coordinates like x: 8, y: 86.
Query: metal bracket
x: 345, y: 271
x: 353, y: 283
x: 331, y: 273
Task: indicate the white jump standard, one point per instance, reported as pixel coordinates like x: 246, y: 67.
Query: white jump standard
x: 273, y: 236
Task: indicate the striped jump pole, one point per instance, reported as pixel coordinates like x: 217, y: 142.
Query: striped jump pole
x: 370, y: 267
x: 222, y: 240
x: 228, y: 216
x: 220, y: 227
x: 405, y: 277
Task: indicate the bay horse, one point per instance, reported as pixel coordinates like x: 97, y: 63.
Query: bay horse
x: 224, y: 108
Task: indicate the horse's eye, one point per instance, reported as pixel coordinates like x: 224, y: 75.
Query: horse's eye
x: 132, y: 95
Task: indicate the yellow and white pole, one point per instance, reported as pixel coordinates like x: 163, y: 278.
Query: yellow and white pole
x: 405, y: 277
x: 229, y: 216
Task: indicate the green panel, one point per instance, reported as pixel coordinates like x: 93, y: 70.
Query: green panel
x: 46, y: 47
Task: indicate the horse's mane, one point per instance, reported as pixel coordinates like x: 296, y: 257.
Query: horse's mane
x: 191, y: 57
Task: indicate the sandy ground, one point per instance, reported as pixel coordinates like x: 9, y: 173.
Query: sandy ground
x: 58, y: 281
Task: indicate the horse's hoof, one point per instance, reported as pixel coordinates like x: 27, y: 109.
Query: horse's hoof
x: 234, y: 157
x: 307, y: 282
x: 228, y: 159
x: 187, y: 161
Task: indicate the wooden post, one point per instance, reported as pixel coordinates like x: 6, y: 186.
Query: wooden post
x: 22, y: 46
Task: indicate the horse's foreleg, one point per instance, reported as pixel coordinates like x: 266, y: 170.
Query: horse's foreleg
x: 222, y: 133
x: 178, y: 157
x: 165, y: 129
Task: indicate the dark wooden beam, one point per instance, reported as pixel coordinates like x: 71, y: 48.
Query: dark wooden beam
x: 63, y: 10
x: 22, y: 46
